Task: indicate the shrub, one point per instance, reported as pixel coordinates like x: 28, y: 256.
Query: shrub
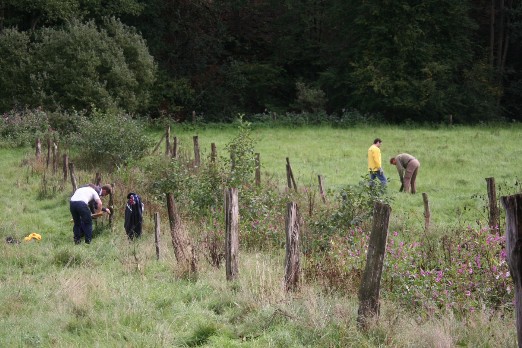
x: 111, y: 139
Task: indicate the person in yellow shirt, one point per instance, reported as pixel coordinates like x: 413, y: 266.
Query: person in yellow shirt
x: 374, y: 162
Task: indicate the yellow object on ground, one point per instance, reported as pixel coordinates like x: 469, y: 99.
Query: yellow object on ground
x: 33, y: 236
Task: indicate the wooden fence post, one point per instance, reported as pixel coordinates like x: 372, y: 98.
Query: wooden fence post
x: 513, y: 207
x: 494, y: 213
x: 97, y: 179
x: 321, y: 188
x: 48, y: 151
x: 290, y: 175
x: 73, y: 177
x: 167, y: 143
x: 232, y: 233
x: 111, y: 203
x: 258, y: 169
x: 55, y: 158
x: 427, y: 213
x: 158, y: 144
x: 213, y: 153
x: 157, y: 234
x: 175, y: 147
x: 38, y: 149
x: 370, y: 284
x: 197, y: 157
x: 292, y: 264
x: 183, y: 250
x: 65, y: 167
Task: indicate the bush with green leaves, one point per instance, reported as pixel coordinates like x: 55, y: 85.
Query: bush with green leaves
x: 78, y: 66
x: 242, y: 155
x: 111, y: 139
x: 21, y: 128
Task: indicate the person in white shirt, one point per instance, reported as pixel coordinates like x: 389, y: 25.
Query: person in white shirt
x: 81, y: 214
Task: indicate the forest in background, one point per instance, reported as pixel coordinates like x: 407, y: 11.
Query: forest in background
x: 401, y: 61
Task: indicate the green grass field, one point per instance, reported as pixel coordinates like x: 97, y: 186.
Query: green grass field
x: 113, y: 293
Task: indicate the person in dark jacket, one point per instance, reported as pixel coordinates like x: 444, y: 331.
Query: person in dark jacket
x: 133, y: 216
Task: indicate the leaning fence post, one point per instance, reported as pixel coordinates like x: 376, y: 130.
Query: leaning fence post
x: 157, y: 234
x: 231, y: 233
x: 97, y: 179
x: 513, y: 207
x: 290, y: 175
x: 73, y: 177
x: 370, y: 284
x: 427, y: 213
x: 292, y: 264
x: 321, y: 188
x: 183, y: 250
x: 494, y: 214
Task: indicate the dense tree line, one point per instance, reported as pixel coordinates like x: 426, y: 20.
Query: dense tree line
x: 403, y: 59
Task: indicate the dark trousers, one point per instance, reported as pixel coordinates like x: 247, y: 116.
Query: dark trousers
x: 81, y: 215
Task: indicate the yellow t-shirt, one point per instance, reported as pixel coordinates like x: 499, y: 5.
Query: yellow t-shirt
x: 374, y: 158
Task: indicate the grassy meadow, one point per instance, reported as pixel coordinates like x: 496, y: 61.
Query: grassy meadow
x: 114, y: 293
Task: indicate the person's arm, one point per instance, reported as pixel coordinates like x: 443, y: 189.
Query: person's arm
x: 98, y: 206
x: 400, y: 170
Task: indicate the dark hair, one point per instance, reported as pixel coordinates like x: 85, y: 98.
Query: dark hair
x: 392, y: 160
x: 107, y: 188
x: 377, y: 140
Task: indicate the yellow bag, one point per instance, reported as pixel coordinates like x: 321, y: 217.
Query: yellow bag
x: 33, y: 236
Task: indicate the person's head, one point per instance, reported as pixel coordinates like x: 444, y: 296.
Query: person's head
x: 377, y: 142
x: 106, y: 190
x: 393, y: 161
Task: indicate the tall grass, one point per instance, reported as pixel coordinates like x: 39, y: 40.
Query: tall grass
x: 114, y: 292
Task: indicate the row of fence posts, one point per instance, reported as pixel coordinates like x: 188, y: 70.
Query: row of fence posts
x: 370, y: 286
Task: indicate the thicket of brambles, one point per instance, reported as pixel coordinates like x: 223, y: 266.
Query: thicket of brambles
x: 403, y: 60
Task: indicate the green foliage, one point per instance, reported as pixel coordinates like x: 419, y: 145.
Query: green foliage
x: 23, y: 128
x: 111, y: 139
x: 80, y: 66
x: 242, y: 155
x: 309, y: 99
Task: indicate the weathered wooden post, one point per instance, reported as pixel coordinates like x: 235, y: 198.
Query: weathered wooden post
x: 48, y: 151
x: 167, y: 143
x: 231, y: 233
x: 258, y: 169
x: 97, y: 179
x: 513, y: 207
x: 157, y: 233
x: 65, y: 167
x: 213, y: 153
x: 290, y: 175
x: 175, y: 147
x: 427, y: 213
x: 158, y: 144
x: 370, y: 284
x: 292, y: 264
x: 111, y: 203
x: 321, y: 188
x: 183, y: 250
x: 38, y: 149
x: 494, y: 213
x: 197, y: 157
x: 55, y: 158
x: 73, y: 177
